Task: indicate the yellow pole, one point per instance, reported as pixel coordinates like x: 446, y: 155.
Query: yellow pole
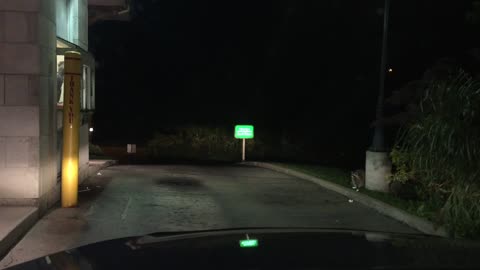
x: 71, y: 123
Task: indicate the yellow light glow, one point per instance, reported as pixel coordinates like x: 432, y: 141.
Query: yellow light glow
x: 70, y: 182
x: 71, y: 124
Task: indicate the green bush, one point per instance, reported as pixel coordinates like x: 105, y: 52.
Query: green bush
x: 441, y: 149
x: 201, y: 143
x: 95, y: 150
x: 402, y: 171
x: 462, y: 210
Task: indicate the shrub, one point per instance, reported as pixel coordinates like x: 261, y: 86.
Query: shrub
x: 441, y: 148
x: 95, y: 150
x: 402, y: 171
x: 196, y: 143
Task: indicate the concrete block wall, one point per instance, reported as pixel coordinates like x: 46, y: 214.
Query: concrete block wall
x: 27, y: 100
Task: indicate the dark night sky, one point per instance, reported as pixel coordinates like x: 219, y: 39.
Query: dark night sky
x: 303, y: 65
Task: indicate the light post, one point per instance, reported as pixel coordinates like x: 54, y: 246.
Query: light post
x: 377, y: 163
x: 378, y: 143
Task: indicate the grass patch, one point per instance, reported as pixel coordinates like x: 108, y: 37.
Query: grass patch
x: 335, y: 175
x: 342, y: 178
x: 418, y: 208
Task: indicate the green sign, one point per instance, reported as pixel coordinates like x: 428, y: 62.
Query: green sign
x: 244, y: 131
x: 248, y: 243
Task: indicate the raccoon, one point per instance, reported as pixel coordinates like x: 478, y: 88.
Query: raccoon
x: 358, y: 179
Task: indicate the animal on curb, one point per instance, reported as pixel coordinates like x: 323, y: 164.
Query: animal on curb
x: 358, y: 179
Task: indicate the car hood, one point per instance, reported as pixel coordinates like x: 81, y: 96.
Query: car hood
x: 292, y: 248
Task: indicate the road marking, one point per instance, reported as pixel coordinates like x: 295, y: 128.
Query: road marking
x: 124, y: 213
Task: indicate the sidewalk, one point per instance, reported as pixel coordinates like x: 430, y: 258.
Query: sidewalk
x: 96, y: 165
x: 16, y: 221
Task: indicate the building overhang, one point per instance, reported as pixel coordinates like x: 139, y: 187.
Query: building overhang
x: 65, y: 46
x: 108, y: 10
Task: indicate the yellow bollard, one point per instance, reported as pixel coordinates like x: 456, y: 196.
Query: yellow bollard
x: 71, y: 124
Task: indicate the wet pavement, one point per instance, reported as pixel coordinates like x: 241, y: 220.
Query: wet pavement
x: 136, y: 200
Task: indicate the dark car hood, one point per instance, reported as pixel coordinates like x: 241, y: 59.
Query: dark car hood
x: 277, y: 248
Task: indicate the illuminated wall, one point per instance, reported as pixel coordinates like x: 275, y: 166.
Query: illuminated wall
x: 27, y: 101
x: 29, y: 138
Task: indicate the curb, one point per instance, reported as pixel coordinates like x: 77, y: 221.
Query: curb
x: 94, y: 168
x: 23, y: 226
x: 415, y: 222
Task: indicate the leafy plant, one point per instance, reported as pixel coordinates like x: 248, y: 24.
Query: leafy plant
x: 442, y: 147
x: 402, y: 172
x: 462, y: 210
x: 95, y: 150
x: 195, y: 143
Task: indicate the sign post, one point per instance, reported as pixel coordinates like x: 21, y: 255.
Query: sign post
x: 131, y: 150
x: 71, y: 124
x: 243, y: 132
x: 243, y: 149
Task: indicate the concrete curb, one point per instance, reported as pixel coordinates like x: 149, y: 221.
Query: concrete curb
x: 98, y: 165
x: 22, y: 227
x: 383, y: 208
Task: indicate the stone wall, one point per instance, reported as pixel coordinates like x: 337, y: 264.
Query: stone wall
x: 27, y: 100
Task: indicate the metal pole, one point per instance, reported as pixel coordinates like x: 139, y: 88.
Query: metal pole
x: 243, y: 149
x: 71, y: 125
x: 378, y: 138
